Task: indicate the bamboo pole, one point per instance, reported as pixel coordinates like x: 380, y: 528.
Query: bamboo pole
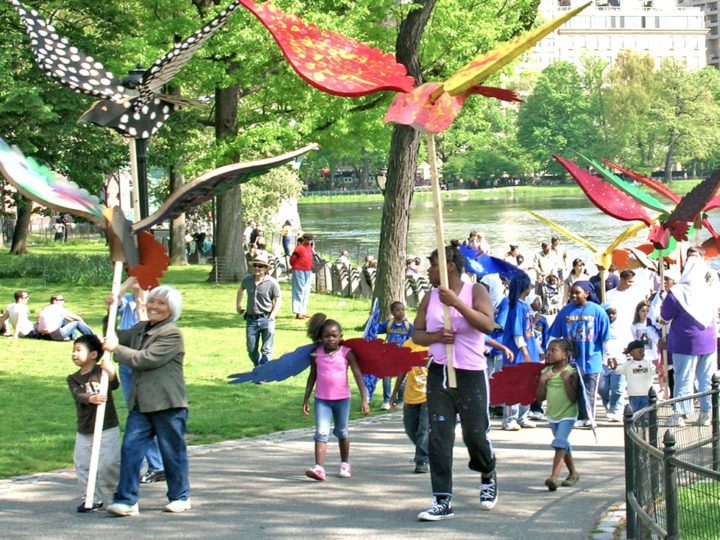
x: 442, y: 259
x: 135, y: 186
x: 104, y: 382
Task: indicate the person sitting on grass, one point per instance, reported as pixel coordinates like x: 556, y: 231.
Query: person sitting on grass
x: 60, y: 324
x: 16, y: 315
x: 559, y: 384
x: 84, y: 386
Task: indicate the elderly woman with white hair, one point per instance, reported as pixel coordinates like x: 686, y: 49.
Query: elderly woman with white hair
x: 157, y: 405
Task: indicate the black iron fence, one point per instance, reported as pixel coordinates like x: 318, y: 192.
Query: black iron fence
x: 672, y: 469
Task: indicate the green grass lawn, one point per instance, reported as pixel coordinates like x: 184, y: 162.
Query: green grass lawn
x: 37, y: 422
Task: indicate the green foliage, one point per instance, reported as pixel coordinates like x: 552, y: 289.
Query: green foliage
x: 80, y: 268
x: 262, y: 196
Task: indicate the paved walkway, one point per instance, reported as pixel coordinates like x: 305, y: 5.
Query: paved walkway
x: 257, y: 489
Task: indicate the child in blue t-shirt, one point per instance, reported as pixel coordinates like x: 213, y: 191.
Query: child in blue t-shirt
x: 398, y: 329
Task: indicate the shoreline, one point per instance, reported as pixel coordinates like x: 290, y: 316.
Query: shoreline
x: 484, y: 194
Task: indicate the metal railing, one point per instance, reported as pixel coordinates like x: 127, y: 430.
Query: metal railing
x: 673, y: 490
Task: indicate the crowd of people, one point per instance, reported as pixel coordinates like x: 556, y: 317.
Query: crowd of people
x: 551, y: 312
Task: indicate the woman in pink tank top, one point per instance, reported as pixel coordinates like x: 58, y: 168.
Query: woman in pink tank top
x: 471, y: 316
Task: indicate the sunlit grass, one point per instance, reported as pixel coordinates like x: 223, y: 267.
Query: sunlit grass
x: 37, y: 428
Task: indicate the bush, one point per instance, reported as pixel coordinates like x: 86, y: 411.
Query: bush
x: 68, y: 268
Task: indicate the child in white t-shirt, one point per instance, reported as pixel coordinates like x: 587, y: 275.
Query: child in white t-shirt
x: 638, y: 372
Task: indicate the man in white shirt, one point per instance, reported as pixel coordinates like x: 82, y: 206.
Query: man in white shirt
x: 17, y: 316
x: 60, y: 324
x: 625, y: 298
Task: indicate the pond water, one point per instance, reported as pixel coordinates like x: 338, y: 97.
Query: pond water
x: 356, y: 226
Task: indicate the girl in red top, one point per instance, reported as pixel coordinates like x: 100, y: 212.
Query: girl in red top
x: 301, y: 262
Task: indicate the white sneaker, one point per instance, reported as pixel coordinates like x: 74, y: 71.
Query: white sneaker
x: 385, y: 407
x: 611, y: 417
x: 122, y: 509
x: 345, y: 470
x: 536, y: 415
x: 527, y: 423
x: 579, y: 424
x: 178, y: 506
x: 512, y: 425
x: 703, y: 419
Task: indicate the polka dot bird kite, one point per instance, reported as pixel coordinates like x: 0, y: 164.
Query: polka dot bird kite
x: 339, y: 65
x: 134, y: 107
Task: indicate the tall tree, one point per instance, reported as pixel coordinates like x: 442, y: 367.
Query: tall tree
x: 555, y: 118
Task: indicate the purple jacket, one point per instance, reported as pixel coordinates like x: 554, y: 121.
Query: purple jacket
x: 686, y: 335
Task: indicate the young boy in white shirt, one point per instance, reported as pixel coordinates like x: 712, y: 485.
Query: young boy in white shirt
x: 639, y: 373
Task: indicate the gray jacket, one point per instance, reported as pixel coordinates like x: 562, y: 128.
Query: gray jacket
x: 155, y: 353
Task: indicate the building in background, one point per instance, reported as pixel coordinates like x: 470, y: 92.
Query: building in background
x: 711, y: 23
x: 660, y: 28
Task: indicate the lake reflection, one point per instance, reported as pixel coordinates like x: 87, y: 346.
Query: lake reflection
x: 356, y: 226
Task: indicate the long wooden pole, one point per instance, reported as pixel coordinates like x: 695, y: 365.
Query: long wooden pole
x: 104, y: 382
x: 442, y: 259
x: 663, y: 352
x: 135, y: 186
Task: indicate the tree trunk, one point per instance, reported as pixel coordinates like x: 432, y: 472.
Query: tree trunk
x: 402, y: 164
x: 228, y: 236
x: 669, y: 160
x: 22, y: 226
x: 178, y: 255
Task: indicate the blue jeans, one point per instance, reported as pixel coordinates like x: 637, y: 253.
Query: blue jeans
x: 612, y: 390
x: 154, y: 460
x: 638, y: 402
x: 417, y: 427
x: 587, y: 403
x: 515, y: 413
x: 689, y: 370
x: 301, y: 286
x: 169, y: 426
x: 337, y: 410
x: 71, y: 329
x: 259, y: 331
x: 561, y: 433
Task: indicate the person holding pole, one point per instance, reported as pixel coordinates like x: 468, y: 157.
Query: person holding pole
x: 158, y: 402
x: 84, y: 386
x: 471, y: 317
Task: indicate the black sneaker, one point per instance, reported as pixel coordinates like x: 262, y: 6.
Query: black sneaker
x: 441, y: 509
x: 489, y: 493
x: 152, y: 476
x: 422, y: 468
x: 81, y: 509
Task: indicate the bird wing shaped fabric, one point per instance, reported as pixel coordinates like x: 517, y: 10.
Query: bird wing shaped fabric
x: 288, y: 365
x: 516, y: 384
x: 662, y: 189
x: 484, y: 65
x: 164, y: 69
x: 216, y: 181
x: 697, y: 200
x: 47, y: 188
x: 375, y: 357
x: 633, y: 191
x: 331, y: 62
x: 606, y: 197
x: 562, y: 230
x: 65, y: 63
x: 482, y: 264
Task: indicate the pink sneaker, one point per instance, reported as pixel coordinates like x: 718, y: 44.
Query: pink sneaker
x: 316, y: 473
x: 345, y: 471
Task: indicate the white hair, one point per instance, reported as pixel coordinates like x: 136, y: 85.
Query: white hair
x: 173, y: 298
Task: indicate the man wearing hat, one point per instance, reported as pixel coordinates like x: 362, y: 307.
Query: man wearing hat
x: 263, y: 304
x: 670, y: 278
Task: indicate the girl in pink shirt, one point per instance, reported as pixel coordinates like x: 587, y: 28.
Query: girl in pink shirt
x: 328, y: 368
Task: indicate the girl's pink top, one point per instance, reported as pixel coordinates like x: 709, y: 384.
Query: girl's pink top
x: 469, y: 346
x: 332, y: 377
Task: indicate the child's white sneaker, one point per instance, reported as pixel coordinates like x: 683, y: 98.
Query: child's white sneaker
x: 177, y: 506
x: 345, y: 470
